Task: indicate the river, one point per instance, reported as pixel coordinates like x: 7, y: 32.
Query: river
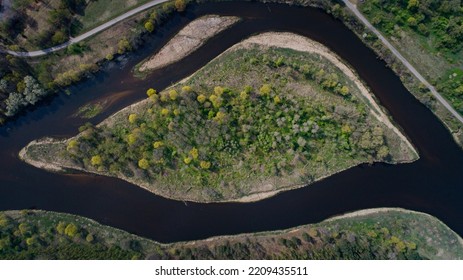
x: 433, y: 184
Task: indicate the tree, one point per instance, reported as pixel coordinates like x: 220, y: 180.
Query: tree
x: 158, y: 144
x: 201, y: 98
x: 173, y: 94
x: 194, y: 153
x: 96, y: 160
x: 72, y: 145
x: 180, y: 5
x: 218, y: 90
x: 412, y: 22
x: 133, y: 118
x: 90, y: 238
x: 14, y: 103
x: 150, y: 92
x: 219, y: 117
x: 344, y: 90
x: 205, y: 164
x: 143, y: 164
x: 31, y: 241
x: 149, y: 26
x: 383, y: 152
x: 123, y: 46
x: 61, y: 227
x: 33, y: 92
x: 265, y: 89
x: 71, y: 230
x: 187, y: 89
x: 131, y: 139
x: 164, y: 112
x: 412, y: 4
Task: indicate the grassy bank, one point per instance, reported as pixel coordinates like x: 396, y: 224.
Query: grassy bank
x: 387, y: 234
x: 255, y: 120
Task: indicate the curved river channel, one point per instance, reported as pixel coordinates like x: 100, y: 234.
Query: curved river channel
x: 433, y: 184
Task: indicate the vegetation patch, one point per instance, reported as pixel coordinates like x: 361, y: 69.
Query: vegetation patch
x: 385, y: 234
x: 430, y: 35
x: 253, y: 121
x: 89, y: 111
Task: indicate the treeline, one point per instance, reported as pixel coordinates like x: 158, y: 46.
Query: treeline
x: 392, y: 235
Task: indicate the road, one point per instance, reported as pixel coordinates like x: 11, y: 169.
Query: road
x: 405, y: 62
x: 88, y: 33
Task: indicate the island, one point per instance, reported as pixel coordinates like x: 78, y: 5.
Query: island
x: 275, y: 112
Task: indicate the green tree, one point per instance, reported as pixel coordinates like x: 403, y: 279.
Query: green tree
x: 133, y: 118
x: 180, y: 5
x: 265, y: 89
x: 149, y: 26
x: 33, y: 92
x: 123, y: 46
x: 205, y: 164
x: 143, y: 163
x: 201, y: 98
x: 61, y: 227
x: 150, y: 92
x: 96, y: 160
x: 344, y: 90
x: 411, y: 21
x: 71, y: 230
x: 412, y: 4
x: 90, y: 238
x: 14, y: 103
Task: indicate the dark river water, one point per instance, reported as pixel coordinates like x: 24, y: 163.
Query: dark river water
x: 433, y: 184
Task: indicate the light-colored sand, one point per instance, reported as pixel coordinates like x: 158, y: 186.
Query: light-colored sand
x: 189, y: 39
